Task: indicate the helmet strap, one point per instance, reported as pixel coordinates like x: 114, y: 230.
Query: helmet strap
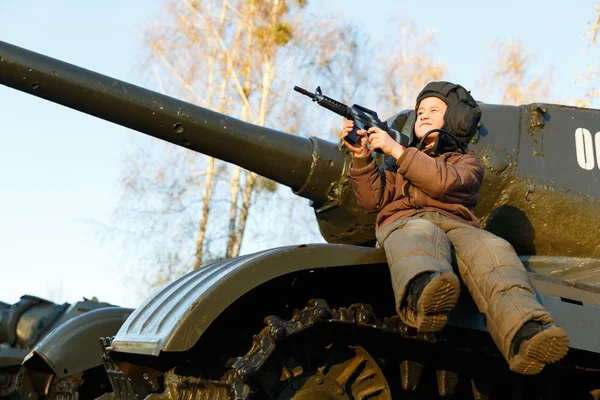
x: 445, y: 142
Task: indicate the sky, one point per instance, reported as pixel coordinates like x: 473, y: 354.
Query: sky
x: 59, y: 169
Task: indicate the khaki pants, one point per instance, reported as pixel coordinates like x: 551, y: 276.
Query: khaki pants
x: 488, y: 266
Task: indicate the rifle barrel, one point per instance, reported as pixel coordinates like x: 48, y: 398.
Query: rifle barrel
x: 304, y: 92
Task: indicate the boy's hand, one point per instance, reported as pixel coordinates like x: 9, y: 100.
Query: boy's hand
x: 361, y: 148
x: 380, y: 139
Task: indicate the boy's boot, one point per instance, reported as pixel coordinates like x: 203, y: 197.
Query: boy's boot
x: 536, y: 345
x: 430, y: 297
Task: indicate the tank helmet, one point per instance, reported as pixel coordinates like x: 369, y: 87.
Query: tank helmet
x: 462, y: 115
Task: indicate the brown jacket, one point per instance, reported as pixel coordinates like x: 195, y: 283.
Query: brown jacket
x: 416, y: 182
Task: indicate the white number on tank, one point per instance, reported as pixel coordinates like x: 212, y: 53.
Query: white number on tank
x: 584, y: 146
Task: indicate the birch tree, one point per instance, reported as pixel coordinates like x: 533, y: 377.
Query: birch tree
x: 593, y: 27
x: 408, y: 67
x: 592, y: 73
x: 229, y: 57
x: 343, y: 61
x: 510, y: 72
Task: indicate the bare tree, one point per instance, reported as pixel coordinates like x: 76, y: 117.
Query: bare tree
x: 225, y: 56
x: 590, y: 76
x: 593, y: 27
x: 342, y: 60
x: 408, y: 68
x: 510, y: 73
x: 233, y: 57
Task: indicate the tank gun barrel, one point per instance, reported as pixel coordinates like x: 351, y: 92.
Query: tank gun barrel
x: 282, y: 157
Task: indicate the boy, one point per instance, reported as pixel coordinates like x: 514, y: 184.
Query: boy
x: 424, y: 196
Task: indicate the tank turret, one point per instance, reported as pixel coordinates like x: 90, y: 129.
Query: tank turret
x: 318, y: 321
x: 539, y: 158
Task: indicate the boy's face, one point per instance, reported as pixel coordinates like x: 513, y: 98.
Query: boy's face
x: 430, y: 115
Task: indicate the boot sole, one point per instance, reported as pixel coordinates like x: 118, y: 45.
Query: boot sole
x: 438, y: 298
x: 547, y: 347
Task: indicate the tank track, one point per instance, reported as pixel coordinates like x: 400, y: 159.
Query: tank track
x: 453, y: 363
x: 8, y: 378
x: 396, y: 362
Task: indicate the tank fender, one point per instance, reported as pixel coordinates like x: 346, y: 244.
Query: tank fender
x: 75, y: 346
x: 176, y: 316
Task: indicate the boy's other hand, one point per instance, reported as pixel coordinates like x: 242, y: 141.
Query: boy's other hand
x: 361, y: 148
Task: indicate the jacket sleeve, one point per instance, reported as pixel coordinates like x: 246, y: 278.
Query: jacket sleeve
x: 373, y: 187
x: 456, y: 182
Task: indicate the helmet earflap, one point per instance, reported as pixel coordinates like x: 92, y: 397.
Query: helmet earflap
x: 462, y: 115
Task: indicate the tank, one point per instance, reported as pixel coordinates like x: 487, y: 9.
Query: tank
x: 25, y: 324
x: 317, y: 321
